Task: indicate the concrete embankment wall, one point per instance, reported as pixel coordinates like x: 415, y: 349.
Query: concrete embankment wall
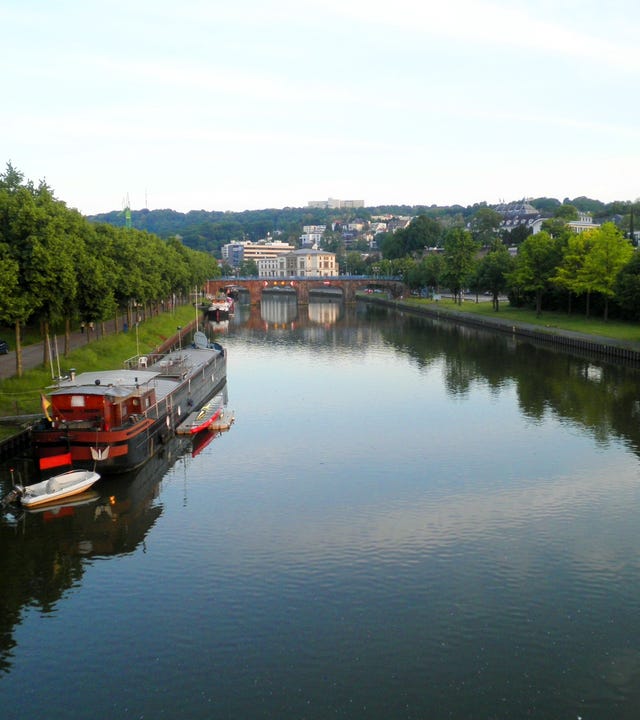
x: 610, y: 348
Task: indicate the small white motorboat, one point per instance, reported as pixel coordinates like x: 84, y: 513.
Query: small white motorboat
x: 57, y: 487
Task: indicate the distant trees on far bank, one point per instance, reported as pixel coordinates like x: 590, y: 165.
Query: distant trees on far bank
x: 556, y: 268
x: 57, y: 268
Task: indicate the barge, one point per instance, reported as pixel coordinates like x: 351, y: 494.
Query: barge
x: 116, y: 420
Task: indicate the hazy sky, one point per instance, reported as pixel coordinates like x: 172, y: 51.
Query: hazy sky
x: 249, y: 104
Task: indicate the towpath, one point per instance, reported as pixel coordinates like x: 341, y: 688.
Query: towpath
x: 32, y: 354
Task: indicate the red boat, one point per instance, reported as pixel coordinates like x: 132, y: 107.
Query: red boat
x: 116, y: 420
x: 202, y: 419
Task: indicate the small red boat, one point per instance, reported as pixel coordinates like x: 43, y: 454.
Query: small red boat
x: 203, y: 418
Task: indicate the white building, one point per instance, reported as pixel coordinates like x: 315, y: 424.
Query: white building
x: 311, y: 235
x: 236, y: 253
x: 583, y: 223
x: 299, y: 263
x: 335, y: 204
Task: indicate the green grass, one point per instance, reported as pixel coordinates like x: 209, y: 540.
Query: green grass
x: 21, y: 396
x: 616, y: 329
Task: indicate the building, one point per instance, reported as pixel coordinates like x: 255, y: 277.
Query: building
x: 311, y: 235
x: 299, y: 263
x: 517, y: 214
x: 583, y: 223
x: 334, y: 204
x: 237, y: 253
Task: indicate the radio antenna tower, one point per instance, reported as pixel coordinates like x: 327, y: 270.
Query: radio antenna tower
x: 126, y: 211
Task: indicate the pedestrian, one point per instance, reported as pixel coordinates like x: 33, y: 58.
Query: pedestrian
x: 82, y: 327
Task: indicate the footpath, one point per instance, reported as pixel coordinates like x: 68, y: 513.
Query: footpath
x: 32, y: 355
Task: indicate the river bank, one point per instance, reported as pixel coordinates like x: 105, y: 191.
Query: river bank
x: 623, y: 351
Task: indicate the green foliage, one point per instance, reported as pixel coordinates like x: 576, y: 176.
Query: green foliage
x: 484, y: 225
x: 566, y: 212
x: 56, y: 266
x: 536, y: 265
x: 627, y: 288
x: 608, y: 253
x: 493, y: 272
x: 459, y: 256
x: 422, y: 233
x: 22, y: 395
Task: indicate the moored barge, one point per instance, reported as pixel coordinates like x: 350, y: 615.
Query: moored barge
x: 116, y: 420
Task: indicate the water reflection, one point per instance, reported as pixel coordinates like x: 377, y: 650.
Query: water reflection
x: 325, y: 313
x: 43, y: 549
x: 278, y: 310
x: 406, y: 499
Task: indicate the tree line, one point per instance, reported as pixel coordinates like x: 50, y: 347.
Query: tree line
x: 556, y: 268
x: 57, y: 268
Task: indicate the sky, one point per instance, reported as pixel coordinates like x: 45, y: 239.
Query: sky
x: 252, y: 104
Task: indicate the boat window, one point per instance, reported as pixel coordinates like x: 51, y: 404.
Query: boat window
x: 77, y: 401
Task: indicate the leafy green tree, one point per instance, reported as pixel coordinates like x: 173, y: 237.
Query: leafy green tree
x: 566, y: 212
x: 536, y: 265
x: 248, y: 268
x: 609, y: 252
x: 517, y: 235
x: 493, y: 272
x: 484, y: 226
x: 354, y: 263
x: 569, y: 273
x: 421, y: 233
x: 627, y: 287
x: 459, y: 260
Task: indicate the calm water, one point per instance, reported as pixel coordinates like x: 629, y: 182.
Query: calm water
x: 407, y: 520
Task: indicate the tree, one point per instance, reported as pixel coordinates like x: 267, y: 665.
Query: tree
x: 569, y: 273
x: 493, y: 271
x: 627, y: 287
x: 248, y: 268
x: 459, y: 252
x: 421, y: 233
x: 566, y: 212
x: 535, y: 266
x: 484, y: 225
x: 608, y: 253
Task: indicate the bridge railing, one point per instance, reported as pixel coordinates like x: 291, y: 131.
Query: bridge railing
x: 302, y: 278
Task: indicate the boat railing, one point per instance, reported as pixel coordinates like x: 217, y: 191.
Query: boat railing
x: 142, y: 362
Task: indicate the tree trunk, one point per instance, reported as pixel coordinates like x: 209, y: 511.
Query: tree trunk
x: 538, y: 303
x: 18, y: 350
x: 46, y: 354
x: 67, y: 336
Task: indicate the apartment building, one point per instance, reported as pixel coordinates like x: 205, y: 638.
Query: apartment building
x: 236, y: 253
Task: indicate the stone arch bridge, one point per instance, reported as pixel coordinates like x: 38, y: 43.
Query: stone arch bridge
x: 341, y: 286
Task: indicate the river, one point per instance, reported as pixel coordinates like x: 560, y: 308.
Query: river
x: 408, y: 519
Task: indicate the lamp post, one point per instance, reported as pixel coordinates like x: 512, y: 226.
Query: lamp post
x: 179, y: 338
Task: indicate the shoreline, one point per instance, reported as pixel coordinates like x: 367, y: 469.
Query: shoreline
x: 619, y: 351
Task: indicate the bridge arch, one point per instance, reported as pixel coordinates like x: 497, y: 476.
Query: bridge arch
x: 347, y: 285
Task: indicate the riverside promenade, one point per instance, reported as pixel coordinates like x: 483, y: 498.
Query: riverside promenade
x: 32, y: 355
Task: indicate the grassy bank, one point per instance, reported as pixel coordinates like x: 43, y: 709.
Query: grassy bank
x: 615, y: 329
x: 20, y: 396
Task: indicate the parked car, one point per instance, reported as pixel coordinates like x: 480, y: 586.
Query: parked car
x: 4, y: 347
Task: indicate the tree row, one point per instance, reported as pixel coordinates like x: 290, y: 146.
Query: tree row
x: 57, y: 268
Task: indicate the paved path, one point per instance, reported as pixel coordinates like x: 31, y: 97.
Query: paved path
x: 32, y: 354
